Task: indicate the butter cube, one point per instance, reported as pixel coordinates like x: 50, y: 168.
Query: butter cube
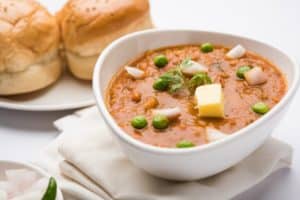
x: 210, y: 100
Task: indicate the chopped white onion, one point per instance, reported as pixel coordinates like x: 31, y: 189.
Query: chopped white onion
x: 3, y: 185
x: 170, y: 113
x: 36, y: 191
x: 3, y: 194
x: 236, y: 52
x: 255, y: 76
x: 194, y: 68
x: 21, y: 179
x: 30, y: 195
x: 10, y: 189
x: 15, y: 175
x: 214, y: 134
x: 41, y: 184
x: 23, y: 184
x: 135, y: 72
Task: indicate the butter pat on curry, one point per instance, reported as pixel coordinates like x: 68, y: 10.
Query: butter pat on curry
x: 210, y: 100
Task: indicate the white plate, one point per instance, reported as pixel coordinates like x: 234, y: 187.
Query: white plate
x: 5, y: 165
x: 66, y: 93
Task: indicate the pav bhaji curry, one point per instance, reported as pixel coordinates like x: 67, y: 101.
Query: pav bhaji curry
x: 191, y: 95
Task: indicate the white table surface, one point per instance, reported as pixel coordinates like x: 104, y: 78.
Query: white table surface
x: 23, y: 134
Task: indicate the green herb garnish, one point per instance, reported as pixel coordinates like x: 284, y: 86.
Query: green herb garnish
x: 218, y: 66
x: 186, y: 63
x: 174, y: 80
x: 198, y: 79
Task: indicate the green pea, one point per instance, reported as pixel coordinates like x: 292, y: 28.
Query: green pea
x: 185, y: 144
x: 207, y: 47
x: 242, y: 70
x: 260, y: 108
x: 160, y: 122
x: 139, y: 122
x: 160, y: 84
x: 160, y: 61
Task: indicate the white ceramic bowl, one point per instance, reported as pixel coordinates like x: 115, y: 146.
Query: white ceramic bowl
x: 202, y: 161
x: 6, y: 165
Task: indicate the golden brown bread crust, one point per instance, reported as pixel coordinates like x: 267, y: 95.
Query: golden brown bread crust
x: 36, y: 77
x: 82, y: 66
x: 29, y: 35
x: 88, y: 26
x: 83, y: 21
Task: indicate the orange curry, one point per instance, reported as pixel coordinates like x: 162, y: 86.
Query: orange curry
x: 133, y: 93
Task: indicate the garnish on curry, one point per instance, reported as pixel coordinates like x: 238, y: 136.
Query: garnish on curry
x: 186, y: 96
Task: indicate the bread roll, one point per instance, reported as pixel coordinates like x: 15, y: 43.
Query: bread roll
x: 29, y: 41
x: 88, y: 26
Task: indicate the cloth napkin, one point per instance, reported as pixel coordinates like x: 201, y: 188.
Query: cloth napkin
x: 88, y: 164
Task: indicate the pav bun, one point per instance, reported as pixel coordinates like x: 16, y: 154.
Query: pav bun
x: 88, y: 26
x: 29, y: 42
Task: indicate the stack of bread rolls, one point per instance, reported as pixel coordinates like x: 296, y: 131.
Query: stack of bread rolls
x: 31, y: 38
x: 29, y: 41
x: 88, y: 26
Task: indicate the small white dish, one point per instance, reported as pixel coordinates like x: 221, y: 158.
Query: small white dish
x: 6, y: 165
x: 202, y: 161
x: 67, y: 93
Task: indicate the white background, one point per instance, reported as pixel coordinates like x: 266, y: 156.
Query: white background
x: 23, y: 134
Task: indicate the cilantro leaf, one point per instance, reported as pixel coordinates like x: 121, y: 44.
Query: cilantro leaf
x: 198, y: 79
x: 174, y: 79
x: 186, y: 63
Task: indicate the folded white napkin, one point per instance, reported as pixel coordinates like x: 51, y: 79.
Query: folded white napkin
x: 88, y: 164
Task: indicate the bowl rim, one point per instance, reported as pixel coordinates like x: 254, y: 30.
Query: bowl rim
x: 120, y: 133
